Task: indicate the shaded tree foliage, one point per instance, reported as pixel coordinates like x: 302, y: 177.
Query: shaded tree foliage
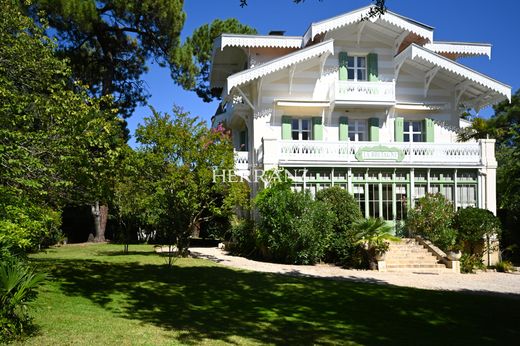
x: 504, y: 126
x: 56, y: 145
x: 108, y: 42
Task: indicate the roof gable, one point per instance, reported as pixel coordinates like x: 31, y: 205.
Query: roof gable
x: 356, y: 16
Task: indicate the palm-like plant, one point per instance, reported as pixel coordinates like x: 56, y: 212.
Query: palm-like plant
x: 374, y: 234
x: 17, y: 288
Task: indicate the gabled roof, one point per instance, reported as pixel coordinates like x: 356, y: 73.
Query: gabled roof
x: 273, y: 41
x: 243, y: 77
x: 461, y: 72
x: 355, y: 16
x: 460, y: 49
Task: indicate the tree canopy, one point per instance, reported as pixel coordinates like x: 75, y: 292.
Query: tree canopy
x: 56, y: 144
x: 109, y: 41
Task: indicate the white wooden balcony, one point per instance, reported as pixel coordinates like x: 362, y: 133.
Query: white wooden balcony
x: 364, y: 92
x: 395, y: 153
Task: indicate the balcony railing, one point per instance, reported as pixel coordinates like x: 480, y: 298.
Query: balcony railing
x: 395, y: 152
x: 241, y: 160
x: 378, y: 92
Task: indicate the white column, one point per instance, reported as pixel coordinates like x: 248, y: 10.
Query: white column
x: 271, y: 153
x: 455, y: 192
x: 412, y: 187
x: 490, y: 171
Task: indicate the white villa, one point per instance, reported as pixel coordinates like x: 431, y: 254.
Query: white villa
x: 370, y: 105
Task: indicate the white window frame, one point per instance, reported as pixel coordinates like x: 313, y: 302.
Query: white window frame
x: 300, y: 129
x: 410, y: 131
x: 354, y: 129
x: 356, y: 68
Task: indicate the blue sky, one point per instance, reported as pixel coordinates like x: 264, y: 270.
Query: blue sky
x: 494, y: 22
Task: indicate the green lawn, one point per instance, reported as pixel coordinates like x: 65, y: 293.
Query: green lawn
x: 99, y: 296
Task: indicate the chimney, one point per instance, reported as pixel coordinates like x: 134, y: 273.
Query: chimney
x: 276, y: 32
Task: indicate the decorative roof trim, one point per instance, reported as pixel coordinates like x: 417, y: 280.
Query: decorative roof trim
x: 254, y: 41
x: 414, y: 51
x: 460, y: 48
x: 279, y: 64
x: 356, y: 15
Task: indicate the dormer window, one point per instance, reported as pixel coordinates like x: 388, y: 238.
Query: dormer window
x: 357, y: 68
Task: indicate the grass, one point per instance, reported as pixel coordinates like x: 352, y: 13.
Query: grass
x: 100, y: 296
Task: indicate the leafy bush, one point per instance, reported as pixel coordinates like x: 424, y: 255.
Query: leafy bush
x: 26, y: 225
x: 470, y: 262
x: 342, y: 249
x: 243, y: 237
x: 473, y: 225
x: 17, y: 288
x: 432, y: 219
x: 293, y: 227
x: 344, y: 206
x: 504, y: 266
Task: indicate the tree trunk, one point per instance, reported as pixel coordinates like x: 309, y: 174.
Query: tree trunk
x: 100, y: 214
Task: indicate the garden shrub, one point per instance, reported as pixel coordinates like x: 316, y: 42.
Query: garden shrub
x: 473, y: 226
x: 342, y: 249
x: 470, y: 262
x: 432, y: 219
x: 504, y: 266
x: 18, y: 282
x: 243, y: 239
x: 293, y: 227
x: 26, y: 225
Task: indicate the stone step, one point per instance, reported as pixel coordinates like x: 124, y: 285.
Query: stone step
x: 389, y: 265
x: 421, y: 270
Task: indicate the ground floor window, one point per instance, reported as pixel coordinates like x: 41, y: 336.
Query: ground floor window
x: 389, y: 194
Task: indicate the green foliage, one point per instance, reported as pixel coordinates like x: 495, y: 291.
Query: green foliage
x: 168, y: 187
x: 243, y: 239
x: 475, y: 224
x: 504, y: 126
x: 344, y: 206
x: 471, y: 262
x: 17, y: 288
x: 504, y: 267
x: 341, y: 248
x: 293, y: 227
x: 432, y: 219
x: 26, y: 225
x: 109, y: 41
x: 56, y: 146
x: 200, y: 46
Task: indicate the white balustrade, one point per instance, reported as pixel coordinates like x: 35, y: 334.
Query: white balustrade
x: 320, y: 151
x: 241, y: 160
x: 365, y: 91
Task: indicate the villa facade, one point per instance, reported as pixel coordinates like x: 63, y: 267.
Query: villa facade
x: 370, y: 105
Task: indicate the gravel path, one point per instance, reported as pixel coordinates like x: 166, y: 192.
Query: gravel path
x: 485, y: 282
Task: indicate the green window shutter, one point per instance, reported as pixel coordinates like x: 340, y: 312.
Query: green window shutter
x: 286, y: 127
x: 317, y: 129
x: 429, y: 130
x: 343, y: 128
x: 343, y: 63
x: 373, y: 133
x: 372, y: 69
x: 399, y: 129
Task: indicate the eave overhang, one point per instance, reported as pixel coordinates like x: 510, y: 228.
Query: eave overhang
x: 484, y: 90
x: 278, y: 64
x: 460, y: 49
x: 257, y: 41
x: 354, y: 17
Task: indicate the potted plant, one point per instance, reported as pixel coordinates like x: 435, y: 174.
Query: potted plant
x: 374, y: 235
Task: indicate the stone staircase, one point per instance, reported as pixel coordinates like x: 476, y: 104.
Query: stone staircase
x: 410, y: 256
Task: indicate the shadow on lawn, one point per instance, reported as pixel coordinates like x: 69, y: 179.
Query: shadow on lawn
x: 217, y: 303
